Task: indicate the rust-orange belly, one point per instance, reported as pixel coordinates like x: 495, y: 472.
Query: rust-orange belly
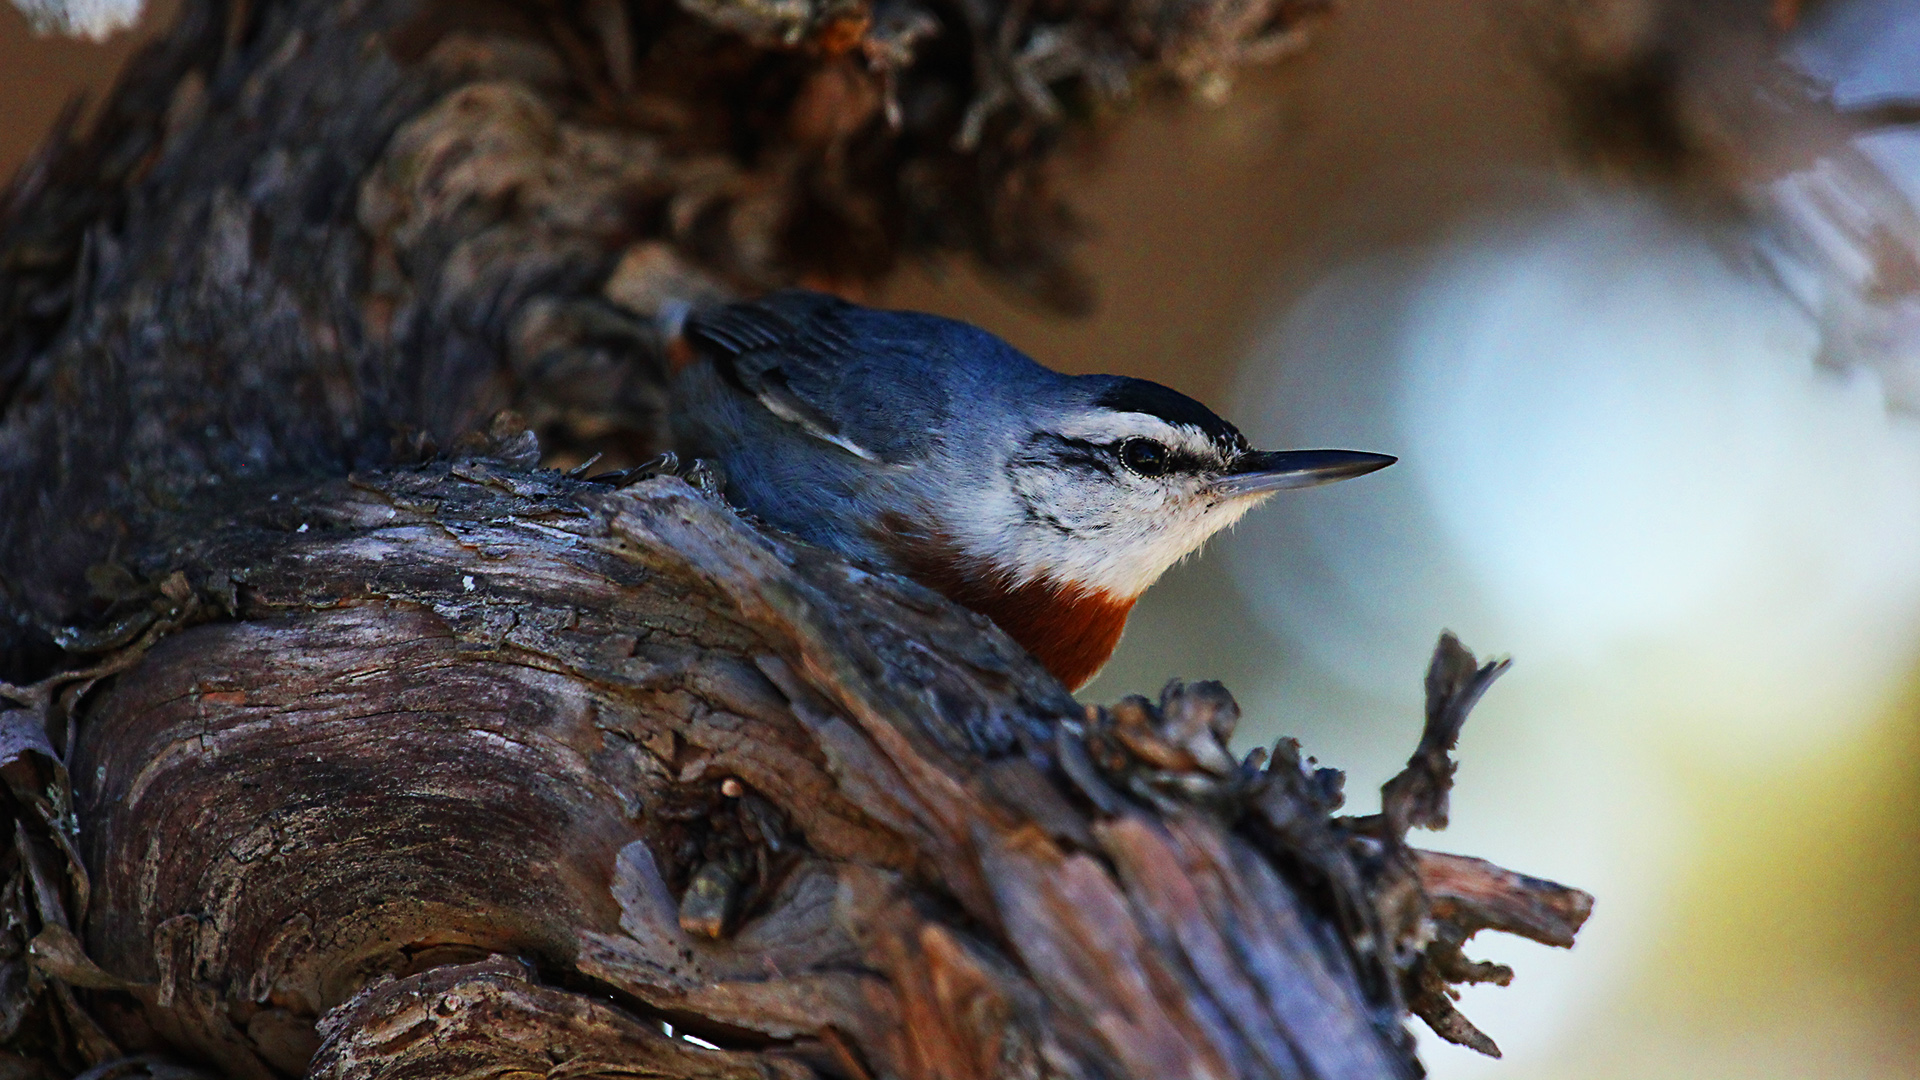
x: 1070, y: 629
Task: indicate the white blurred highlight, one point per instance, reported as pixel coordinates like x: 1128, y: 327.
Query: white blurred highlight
x: 1622, y: 464
x: 93, y: 19
x: 1617, y: 449
x: 1628, y: 443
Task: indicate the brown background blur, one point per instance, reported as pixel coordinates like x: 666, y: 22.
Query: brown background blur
x: 39, y: 75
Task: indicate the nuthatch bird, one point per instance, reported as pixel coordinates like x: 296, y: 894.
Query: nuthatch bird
x: 930, y: 448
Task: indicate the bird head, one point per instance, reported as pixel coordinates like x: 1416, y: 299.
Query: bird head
x: 1106, y: 482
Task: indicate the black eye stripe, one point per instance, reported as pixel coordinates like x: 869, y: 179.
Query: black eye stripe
x: 1074, y: 453
x: 1048, y: 448
x: 1178, y: 459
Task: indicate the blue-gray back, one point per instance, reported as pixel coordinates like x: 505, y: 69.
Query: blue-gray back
x: 895, y: 383
x: 832, y: 419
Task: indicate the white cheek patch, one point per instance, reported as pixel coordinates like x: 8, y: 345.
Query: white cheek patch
x: 1116, y: 538
x: 1114, y: 533
x: 1127, y: 565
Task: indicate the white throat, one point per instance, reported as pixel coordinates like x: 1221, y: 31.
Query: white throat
x: 1119, y: 554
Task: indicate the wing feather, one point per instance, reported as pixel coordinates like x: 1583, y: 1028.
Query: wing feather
x: 790, y: 352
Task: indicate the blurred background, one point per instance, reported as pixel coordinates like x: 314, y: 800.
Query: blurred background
x: 1631, y: 288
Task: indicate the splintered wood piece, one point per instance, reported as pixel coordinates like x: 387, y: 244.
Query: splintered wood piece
x: 1475, y: 895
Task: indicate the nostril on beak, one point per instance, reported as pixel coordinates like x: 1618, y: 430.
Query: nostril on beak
x: 1260, y: 472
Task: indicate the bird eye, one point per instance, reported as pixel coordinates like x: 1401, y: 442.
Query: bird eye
x: 1144, y: 456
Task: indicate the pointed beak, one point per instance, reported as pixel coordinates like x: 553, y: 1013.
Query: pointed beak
x: 1259, y: 473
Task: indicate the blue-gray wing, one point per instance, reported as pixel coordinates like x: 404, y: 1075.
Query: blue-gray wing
x: 862, y: 379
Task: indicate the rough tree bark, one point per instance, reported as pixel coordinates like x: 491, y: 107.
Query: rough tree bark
x: 344, y: 735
